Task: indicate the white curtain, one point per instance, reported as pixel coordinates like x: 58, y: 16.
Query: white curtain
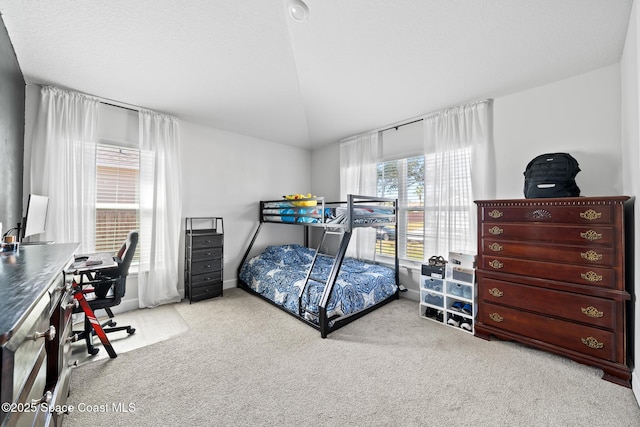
x: 457, y: 142
x: 358, y: 175
x: 160, y: 209
x: 63, y: 165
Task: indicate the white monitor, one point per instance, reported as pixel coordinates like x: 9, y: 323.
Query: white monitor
x: 36, y: 218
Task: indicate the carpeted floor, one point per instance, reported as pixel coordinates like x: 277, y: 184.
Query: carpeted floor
x: 242, y: 362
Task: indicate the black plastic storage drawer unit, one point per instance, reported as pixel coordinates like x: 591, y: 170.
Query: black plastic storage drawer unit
x: 204, y: 258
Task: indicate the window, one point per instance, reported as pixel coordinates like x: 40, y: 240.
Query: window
x: 433, y: 218
x: 117, y: 195
x: 403, y: 179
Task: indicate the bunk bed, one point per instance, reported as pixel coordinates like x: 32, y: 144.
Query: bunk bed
x: 325, y: 291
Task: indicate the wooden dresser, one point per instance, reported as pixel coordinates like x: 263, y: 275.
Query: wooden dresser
x: 551, y: 274
x: 36, y: 302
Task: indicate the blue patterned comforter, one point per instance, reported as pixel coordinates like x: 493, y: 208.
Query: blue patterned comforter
x: 279, y: 274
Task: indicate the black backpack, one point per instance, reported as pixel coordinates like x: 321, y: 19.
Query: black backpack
x: 551, y: 175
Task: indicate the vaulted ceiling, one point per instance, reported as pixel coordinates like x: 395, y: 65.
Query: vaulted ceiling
x: 354, y: 65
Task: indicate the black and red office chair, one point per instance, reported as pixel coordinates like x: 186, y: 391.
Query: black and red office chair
x: 109, y: 287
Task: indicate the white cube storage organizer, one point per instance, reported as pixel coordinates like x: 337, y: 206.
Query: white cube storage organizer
x: 450, y: 300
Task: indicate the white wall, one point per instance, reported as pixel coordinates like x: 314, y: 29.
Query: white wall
x: 579, y: 115
x: 630, y: 76
x: 325, y: 172
x: 226, y: 174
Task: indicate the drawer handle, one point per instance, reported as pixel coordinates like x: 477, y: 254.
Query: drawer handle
x: 591, y: 276
x: 495, y: 230
x: 496, y: 264
x: 495, y: 214
x: 591, y: 235
x: 496, y: 292
x: 591, y: 311
x: 496, y: 317
x: 49, y: 334
x: 591, y: 342
x: 590, y: 215
x: 495, y: 247
x: 591, y: 256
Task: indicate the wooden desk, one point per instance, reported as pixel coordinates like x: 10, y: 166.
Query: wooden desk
x: 36, y: 303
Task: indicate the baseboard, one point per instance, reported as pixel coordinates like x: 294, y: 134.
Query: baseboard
x: 126, y: 305
x: 133, y: 304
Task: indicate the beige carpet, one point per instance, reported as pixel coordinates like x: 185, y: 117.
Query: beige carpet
x: 243, y: 362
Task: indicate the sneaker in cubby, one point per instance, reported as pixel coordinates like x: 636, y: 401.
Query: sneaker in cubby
x: 466, y: 324
x: 454, y: 320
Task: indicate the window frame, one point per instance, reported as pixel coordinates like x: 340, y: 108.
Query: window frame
x: 403, y: 207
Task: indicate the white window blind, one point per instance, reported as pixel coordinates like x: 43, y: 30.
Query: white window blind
x: 403, y: 179
x: 117, y: 195
x: 444, y: 202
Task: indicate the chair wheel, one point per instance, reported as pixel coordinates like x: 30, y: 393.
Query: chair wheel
x: 93, y: 351
x: 131, y: 331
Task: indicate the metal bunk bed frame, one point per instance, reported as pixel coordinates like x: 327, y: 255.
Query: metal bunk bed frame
x: 326, y: 325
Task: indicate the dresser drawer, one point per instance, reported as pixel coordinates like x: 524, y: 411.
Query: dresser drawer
x: 34, y: 391
x: 584, y: 339
x: 213, y: 276
x: 585, y: 275
x: 588, y: 255
x: 564, y: 234
x: 595, y: 311
x: 541, y: 212
x: 206, y: 291
x: 206, y: 241
x: 28, y: 343
x: 205, y: 254
x: 202, y: 267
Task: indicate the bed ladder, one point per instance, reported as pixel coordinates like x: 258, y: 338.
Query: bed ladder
x: 333, y: 274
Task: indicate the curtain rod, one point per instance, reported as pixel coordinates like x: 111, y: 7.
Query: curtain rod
x: 102, y: 100
x: 419, y: 118
x: 119, y: 106
x: 400, y: 125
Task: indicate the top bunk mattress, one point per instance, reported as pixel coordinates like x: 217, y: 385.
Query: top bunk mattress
x: 315, y: 211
